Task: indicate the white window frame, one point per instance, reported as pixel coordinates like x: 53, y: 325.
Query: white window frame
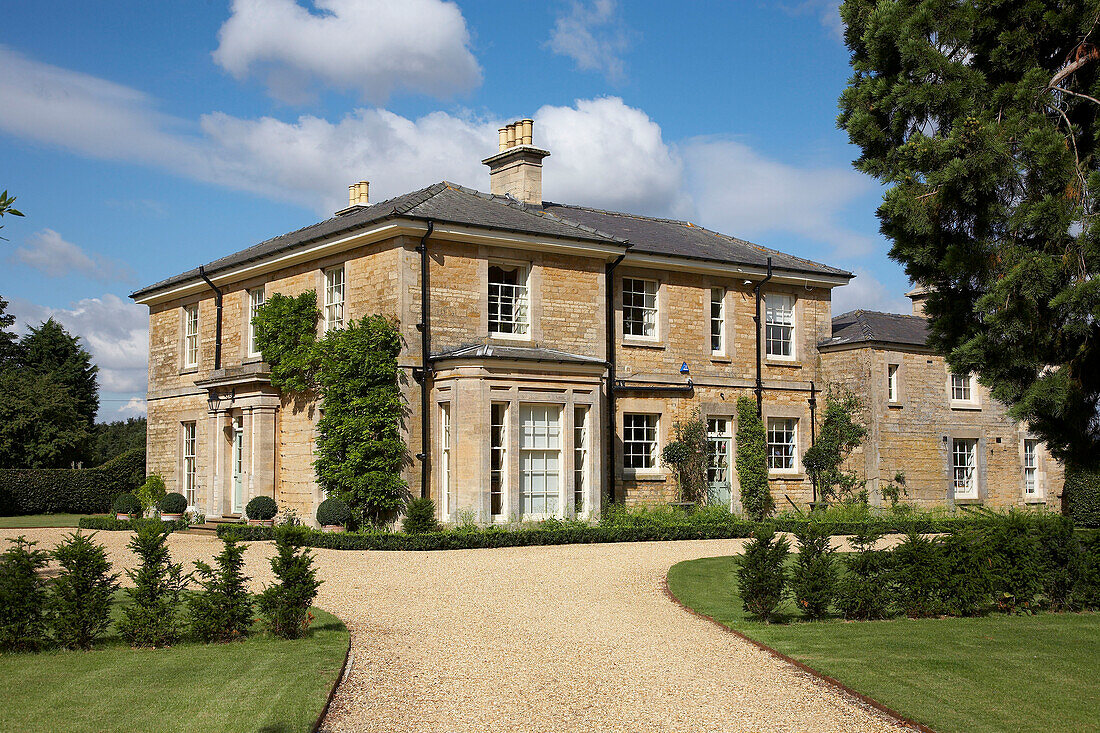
x: 777, y: 452
x: 191, y: 336
x: 779, y: 326
x: 541, y: 454
x: 641, y: 432
x: 962, y: 384
x: 892, y: 394
x: 518, y: 296
x: 717, y: 321
x: 254, y: 304
x: 649, y: 315
x: 580, y: 459
x: 446, y: 488
x: 1033, y: 482
x: 498, y: 452
x: 964, y: 476
x: 334, y: 307
x: 190, y: 457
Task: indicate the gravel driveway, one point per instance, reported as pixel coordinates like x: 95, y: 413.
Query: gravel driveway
x: 569, y: 638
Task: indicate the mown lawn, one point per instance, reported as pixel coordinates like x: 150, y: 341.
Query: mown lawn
x: 41, y: 520
x: 262, y: 684
x: 996, y: 673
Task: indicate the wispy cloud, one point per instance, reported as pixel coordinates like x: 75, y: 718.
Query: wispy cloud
x: 594, y: 36
x: 51, y: 255
x: 372, y: 47
x: 827, y: 13
x: 134, y: 407
x: 868, y: 292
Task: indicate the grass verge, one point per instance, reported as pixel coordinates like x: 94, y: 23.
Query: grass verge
x: 42, y: 520
x: 260, y: 684
x: 995, y: 673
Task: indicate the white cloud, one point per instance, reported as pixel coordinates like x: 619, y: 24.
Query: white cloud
x: 866, y: 292
x: 593, y: 35
x: 369, y: 46
x: 134, y: 407
x: 739, y: 191
x: 608, y: 155
x: 115, y: 331
x: 604, y: 154
x: 51, y: 255
x: 827, y: 12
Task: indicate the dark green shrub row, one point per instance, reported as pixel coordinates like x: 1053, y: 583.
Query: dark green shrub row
x: 1014, y: 563
x: 78, y: 491
x: 555, y: 532
x: 1081, y: 496
x: 110, y: 524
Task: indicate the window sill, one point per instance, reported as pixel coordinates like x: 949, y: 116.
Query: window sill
x: 787, y: 363
x: 509, y: 337
x: 1033, y: 500
x: 721, y: 359
x: 774, y: 476
x: 643, y: 343
x: 966, y: 406
x: 635, y: 475
x: 968, y: 502
x: 895, y: 405
x: 188, y: 370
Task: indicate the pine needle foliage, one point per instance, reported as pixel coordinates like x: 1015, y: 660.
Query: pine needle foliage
x: 152, y: 617
x: 22, y: 596
x: 982, y: 120
x: 222, y: 611
x: 762, y: 575
x: 284, y: 605
x: 813, y: 581
x: 80, y: 597
x: 420, y: 517
x: 752, y: 461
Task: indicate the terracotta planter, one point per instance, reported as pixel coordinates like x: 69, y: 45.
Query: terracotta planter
x: 333, y: 528
x: 262, y: 522
x: 170, y: 517
x: 122, y: 517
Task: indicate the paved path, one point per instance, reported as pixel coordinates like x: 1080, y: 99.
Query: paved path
x: 570, y: 638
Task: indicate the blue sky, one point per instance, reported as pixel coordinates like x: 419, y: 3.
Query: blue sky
x: 144, y: 140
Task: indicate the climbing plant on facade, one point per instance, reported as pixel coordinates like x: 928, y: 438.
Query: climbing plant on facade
x: 752, y: 461
x: 360, y: 451
x: 842, y: 431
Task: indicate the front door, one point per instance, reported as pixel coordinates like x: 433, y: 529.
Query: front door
x: 238, y: 466
x: 720, y: 439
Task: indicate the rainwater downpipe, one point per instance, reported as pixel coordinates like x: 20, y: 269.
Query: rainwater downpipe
x: 218, y: 321
x: 425, y: 327
x: 759, y: 378
x: 609, y: 308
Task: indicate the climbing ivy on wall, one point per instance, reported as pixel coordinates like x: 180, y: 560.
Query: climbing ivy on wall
x: 360, y: 451
x: 752, y: 461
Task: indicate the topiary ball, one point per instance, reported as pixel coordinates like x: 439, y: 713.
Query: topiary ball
x: 333, y: 511
x: 262, y: 507
x: 420, y: 517
x: 173, y: 503
x: 126, y: 503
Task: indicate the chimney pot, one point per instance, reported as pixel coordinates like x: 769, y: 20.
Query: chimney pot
x: 516, y: 168
x: 357, y: 194
x: 527, y: 126
x: 511, y: 135
x: 503, y: 134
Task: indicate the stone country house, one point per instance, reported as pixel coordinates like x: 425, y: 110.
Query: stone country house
x: 550, y: 349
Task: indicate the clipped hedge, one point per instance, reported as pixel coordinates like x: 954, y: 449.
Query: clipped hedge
x: 111, y: 524
x: 1081, y: 496
x: 575, y: 533
x: 70, y: 490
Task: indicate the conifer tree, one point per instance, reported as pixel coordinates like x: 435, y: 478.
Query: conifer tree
x: 981, y: 119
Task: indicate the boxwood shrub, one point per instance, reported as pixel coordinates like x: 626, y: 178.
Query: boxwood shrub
x: 261, y: 507
x: 126, y: 504
x: 77, y: 491
x: 333, y: 512
x: 173, y: 503
x: 110, y: 524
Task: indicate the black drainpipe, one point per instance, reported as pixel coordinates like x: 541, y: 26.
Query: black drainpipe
x: 609, y: 295
x: 813, y: 430
x: 425, y: 327
x: 759, y: 380
x: 218, y: 323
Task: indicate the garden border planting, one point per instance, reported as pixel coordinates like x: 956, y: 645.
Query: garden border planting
x: 111, y: 524
x: 70, y: 490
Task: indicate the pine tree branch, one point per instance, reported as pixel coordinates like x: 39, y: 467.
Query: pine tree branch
x: 1091, y: 54
x: 1077, y: 94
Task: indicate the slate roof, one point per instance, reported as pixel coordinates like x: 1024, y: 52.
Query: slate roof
x: 453, y: 204
x: 523, y: 353
x: 860, y: 326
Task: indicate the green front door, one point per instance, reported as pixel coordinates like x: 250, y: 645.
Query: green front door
x: 238, y: 466
x: 720, y: 440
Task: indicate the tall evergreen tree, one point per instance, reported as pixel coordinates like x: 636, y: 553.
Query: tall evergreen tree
x: 53, y: 351
x: 9, y: 343
x: 981, y: 118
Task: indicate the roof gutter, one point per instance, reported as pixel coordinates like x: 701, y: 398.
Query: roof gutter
x: 759, y: 373
x: 218, y: 322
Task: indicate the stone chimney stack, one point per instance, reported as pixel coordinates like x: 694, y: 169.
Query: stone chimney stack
x: 357, y: 194
x: 516, y: 169
x: 918, y: 295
